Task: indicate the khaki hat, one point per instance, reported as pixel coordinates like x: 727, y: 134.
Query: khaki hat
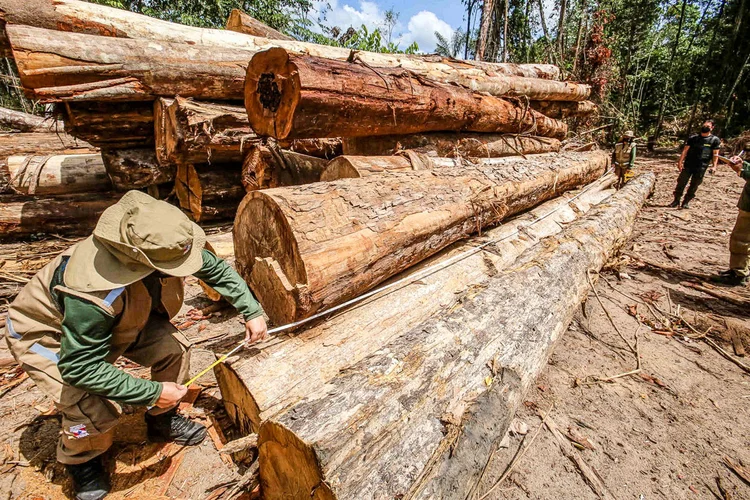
x: 133, y: 238
x: 629, y: 134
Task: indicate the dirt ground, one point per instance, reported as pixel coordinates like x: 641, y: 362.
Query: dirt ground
x: 663, y: 432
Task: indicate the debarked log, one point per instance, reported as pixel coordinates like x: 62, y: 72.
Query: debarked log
x: 57, y: 174
x: 209, y: 192
x: 244, y: 23
x: 562, y: 110
x: 269, y: 167
x: 304, y: 249
x: 299, y: 96
x: 41, y: 143
x: 418, y: 418
x: 308, y: 360
x: 68, y: 215
x: 451, y: 145
x: 25, y: 122
x: 136, y: 168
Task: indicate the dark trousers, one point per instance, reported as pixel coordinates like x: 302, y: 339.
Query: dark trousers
x: 694, y: 177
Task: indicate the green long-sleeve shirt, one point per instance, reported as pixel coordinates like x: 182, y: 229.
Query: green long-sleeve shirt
x: 744, y: 203
x: 87, y: 335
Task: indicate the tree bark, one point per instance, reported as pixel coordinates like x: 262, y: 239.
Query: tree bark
x: 290, y: 96
x: 41, y: 143
x: 111, y: 125
x: 209, y: 193
x: 325, y: 148
x: 84, y: 17
x: 307, y: 248
x: 563, y: 110
x: 488, y: 8
x: 136, y: 168
x: 451, y: 145
x: 25, y: 122
x: 266, y: 167
x: 418, y: 418
x: 70, y: 215
x: 57, y: 174
x: 243, y: 23
x: 307, y: 361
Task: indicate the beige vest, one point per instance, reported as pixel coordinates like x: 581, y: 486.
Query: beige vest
x: 622, y: 153
x: 34, y: 324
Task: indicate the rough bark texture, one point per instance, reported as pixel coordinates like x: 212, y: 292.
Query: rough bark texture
x: 25, y: 122
x: 291, y: 96
x: 189, y: 131
x: 41, y: 143
x: 326, y: 148
x: 244, y: 23
x: 136, y: 168
x: 111, y: 125
x: 71, y: 215
x: 562, y: 110
x: 57, y: 174
x: 266, y: 167
x: 209, y: 192
x: 418, y: 418
x: 306, y: 248
x: 451, y: 145
x: 308, y: 360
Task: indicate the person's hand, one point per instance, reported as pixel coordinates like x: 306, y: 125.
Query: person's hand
x: 171, y: 394
x: 736, y: 160
x: 255, y: 330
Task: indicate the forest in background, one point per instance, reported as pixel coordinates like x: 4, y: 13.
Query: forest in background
x: 658, y: 67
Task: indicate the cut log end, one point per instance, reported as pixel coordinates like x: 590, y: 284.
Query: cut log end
x: 238, y: 402
x: 339, y: 168
x: 272, y: 91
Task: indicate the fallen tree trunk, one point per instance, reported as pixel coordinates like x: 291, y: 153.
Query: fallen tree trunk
x: 562, y: 110
x: 41, y: 143
x: 25, y: 122
x: 290, y: 96
x: 57, y: 174
x: 111, y: 125
x: 304, y: 249
x: 451, y: 145
x: 136, y: 168
x: 419, y: 418
x: 310, y: 359
x: 244, y: 23
x: 84, y: 17
x: 209, y: 193
x: 266, y: 167
x: 325, y: 148
x: 69, y: 215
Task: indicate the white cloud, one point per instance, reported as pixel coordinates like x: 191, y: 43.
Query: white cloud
x: 422, y: 27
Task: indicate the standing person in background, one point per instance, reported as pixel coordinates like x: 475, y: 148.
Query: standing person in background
x: 739, y: 241
x: 700, y: 152
x: 623, y: 157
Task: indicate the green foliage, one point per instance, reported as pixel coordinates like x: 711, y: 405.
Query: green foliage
x: 455, y: 46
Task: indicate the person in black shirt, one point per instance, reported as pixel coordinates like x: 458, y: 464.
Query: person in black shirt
x: 700, y: 152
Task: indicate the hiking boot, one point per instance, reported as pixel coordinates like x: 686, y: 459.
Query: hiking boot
x: 731, y: 278
x: 171, y: 426
x: 90, y: 479
x: 674, y: 204
x: 685, y: 205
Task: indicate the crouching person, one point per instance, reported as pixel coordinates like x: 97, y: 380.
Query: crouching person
x: 113, y: 295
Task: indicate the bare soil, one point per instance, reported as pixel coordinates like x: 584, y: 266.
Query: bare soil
x: 660, y: 433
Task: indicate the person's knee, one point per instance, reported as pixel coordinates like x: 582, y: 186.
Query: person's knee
x: 87, y: 429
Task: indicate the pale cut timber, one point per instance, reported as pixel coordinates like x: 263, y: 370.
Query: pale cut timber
x: 266, y: 167
x: 41, y: 143
x: 209, y: 193
x: 418, y: 418
x: 450, y: 145
x: 25, y: 122
x: 242, y: 22
x: 290, y: 96
x: 68, y: 215
x: 110, y: 124
x: 563, y: 110
x: 136, y: 168
x: 352, y: 167
x: 44, y: 175
x: 84, y: 17
x: 308, y: 360
x: 304, y: 249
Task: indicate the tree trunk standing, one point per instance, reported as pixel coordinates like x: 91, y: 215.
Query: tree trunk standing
x: 584, y: 15
x: 25, y: 122
x: 41, y: 143
x: 207, y: 192
x: 111, y: 124
x: 136, y: 168
x: 505, y: 30
x: 469, y: 9
x: 308, y: 360
x: 307, y: 248
x: 668, y: 83
x: 543, y: 21
x: 243, y: 23
x: 418, y: 418
x: 488, y: 7
x: 57, y: 174
x: 562, y: 110
x: 451, y: 145
x: 267, y: 167
x: 290, y: 96
x: 561, y: 30
x: 69, y: 215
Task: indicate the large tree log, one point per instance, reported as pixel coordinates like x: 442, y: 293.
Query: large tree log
x: 290, y: 96
x: 266, y: 167
x: 209, y: 193
x: 70, y: 215
x: 562, y: 110
x: 306, y: 248
x: 420, y: 417
x: 25, y: 122
x: 41, y: 143
x: 451, y: 145
x: 85, y: 17
x: 136, y: 168
x: 244, y: 23
x: 308, y: 360
x: 57, y: 174
x: 111, y: 125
